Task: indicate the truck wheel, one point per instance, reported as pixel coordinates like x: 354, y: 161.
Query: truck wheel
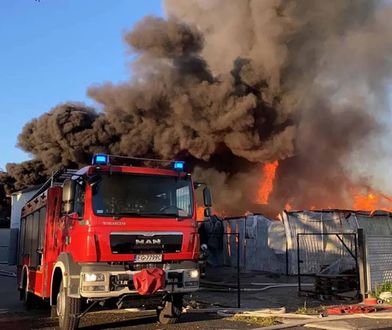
x: 67, y: 309
x: 171, y: 311
x: 53, y: 311
x: 26, y: 296
x: 28, y: 299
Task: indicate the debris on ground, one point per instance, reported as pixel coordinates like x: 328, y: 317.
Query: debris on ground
x: 383, y: 293
x: 386, y: 296
x: 355, y: 309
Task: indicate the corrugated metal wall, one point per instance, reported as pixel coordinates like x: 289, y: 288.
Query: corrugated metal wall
x: 263, y: 241
x: 321, y: 250
x: 4, y: 243
x: 262, y: 244
x: 316, y: 250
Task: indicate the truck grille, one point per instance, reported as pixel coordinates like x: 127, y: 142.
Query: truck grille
x: 123, y: 243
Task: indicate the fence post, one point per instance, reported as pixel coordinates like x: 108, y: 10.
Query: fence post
x: 298, y: 265
x: 363, y: 282
x: 238, y: 271
x: 287, y: 258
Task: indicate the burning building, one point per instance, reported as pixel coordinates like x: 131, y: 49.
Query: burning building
x: 275, y: 104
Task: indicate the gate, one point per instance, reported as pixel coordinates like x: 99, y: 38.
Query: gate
x: 331, y: 259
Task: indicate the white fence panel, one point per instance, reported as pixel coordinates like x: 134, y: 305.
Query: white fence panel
x: 379, y: 260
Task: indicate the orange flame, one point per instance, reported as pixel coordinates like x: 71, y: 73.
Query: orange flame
x: 360, y: 198
x: 372, y: 201
x: 200, y: 213
x: 267, y: 185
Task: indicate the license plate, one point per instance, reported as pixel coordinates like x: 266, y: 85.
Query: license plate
x: 148, y: 258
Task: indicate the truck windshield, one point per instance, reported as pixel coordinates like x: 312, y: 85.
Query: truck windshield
x: 122, y: 194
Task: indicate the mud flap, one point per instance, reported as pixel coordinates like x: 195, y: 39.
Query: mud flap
x: 167, y: 310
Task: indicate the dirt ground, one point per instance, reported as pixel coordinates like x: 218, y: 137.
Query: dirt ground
x: 216, y: 291
x: 259, y: 290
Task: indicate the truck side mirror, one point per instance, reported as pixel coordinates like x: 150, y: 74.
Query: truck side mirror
x: 68, y: 196
x: 207, y: 212
x: 207, y: 197
x: 197, y: 185
x: 94, y: 179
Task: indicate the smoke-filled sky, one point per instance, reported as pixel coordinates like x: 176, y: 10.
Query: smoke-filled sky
x: 52, y: 51
x: 230, y: 85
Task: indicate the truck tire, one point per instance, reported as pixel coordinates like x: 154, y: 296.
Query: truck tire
x: 28, y: 299
x: 67, y: 309
x: 53, y: 311
x: 170, y: 312
x: 26, y: 296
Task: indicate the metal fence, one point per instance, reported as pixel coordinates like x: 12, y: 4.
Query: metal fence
x: 378, y: 260
x: 233, y: 240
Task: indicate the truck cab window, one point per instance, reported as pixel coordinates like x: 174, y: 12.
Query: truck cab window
x: 143, y: 196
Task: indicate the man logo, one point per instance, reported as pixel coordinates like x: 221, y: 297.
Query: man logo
x: 149, y: 241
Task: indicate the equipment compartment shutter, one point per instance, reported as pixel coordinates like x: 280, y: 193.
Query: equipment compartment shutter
x: 34, y: 239
x: 28, y: 236
x: 42, y: 222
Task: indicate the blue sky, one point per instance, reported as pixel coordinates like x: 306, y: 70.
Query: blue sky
x: 52, y: 50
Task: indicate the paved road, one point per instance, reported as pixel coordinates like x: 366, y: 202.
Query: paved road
x: 123, y: 319
x: 119, y: 320
x: 14, y: 316
x: 9, y: 299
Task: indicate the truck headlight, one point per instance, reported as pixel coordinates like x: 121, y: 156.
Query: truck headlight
x: 94, y: 277
x: 194, y: 273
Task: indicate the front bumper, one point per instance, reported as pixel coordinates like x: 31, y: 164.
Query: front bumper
x: 115, y: 281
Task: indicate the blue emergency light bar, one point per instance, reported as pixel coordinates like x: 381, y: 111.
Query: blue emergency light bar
x: 178, y: 165
x: 100, y: 159
x: 103, y: 159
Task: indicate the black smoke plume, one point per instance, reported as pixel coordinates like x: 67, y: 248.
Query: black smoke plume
x: 230, y: 85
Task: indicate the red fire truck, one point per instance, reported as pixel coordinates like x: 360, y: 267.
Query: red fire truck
x: 111, y: 234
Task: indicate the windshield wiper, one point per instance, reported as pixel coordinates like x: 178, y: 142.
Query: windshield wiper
x: 160, y: 215
x: 171, y: 215
x: 119, y: 215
